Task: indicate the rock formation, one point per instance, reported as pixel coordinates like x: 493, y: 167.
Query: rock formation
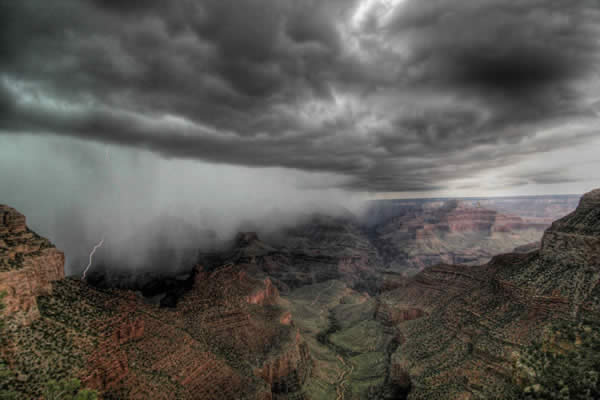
x: 454, y: 232
x: 305, y: 313
x: 28, y: 266
x: 478, y: 319
x: 228, y: 337
x: 317, y: 250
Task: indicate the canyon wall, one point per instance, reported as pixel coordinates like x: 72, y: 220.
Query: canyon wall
x: 479, y: 319
x: 28, y: 266
x: 227, y: 338
x: 452, y: 232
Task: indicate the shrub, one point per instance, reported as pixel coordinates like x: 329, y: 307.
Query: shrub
x: 68, y: 389
x: 5, y: 373
x: 563, y: 365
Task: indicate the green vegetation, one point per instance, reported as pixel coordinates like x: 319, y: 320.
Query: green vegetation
x: 6, y: 374
x: 68, y: 389
x: 367, y: 374
x: 311, y: 306
x: 348, y: 345
x: 5, y: 378
x: 563, y: 365
x: 365, y: 337
x: 65, y: 389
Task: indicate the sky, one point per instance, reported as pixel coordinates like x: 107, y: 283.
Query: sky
x: 238, y: 107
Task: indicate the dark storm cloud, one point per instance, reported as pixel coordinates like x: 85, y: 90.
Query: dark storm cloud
x: 552, y: 176
x: 518, y: 70
x: 127, y: 6
x: 519, y: 57
x: 6, y: 104
x: 396, y: 99
x: 501, y: 45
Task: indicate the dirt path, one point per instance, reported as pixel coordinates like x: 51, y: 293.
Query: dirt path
x: 341, y: 387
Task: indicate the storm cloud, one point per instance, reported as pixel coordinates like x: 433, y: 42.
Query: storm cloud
x: 390, y: 95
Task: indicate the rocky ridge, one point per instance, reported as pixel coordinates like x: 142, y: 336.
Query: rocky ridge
x: 452, y: 232
x: 318, y: 250
x: 478, y: 319
x: 28, y: 265
x: 228, y: 337
x: 290, y: 317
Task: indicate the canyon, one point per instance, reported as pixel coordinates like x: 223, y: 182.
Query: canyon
x: 413, y: 235
x: 336, y: 307
x: 227, y: 338
x: 480, y: 319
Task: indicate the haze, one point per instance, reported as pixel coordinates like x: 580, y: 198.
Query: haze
x: 221, y: 112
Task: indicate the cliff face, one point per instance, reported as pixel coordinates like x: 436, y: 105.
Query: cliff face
x: 544, y: 209
x: 28, y: 266
x: 477, y: 320
x: 466, y: 219
x: 452, y: 233
x: 569, y: 259
x: 265, y: 295
x: 287, y: 373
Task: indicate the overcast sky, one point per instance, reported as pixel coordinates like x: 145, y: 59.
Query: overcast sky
x: 113, y: 112
x: 420, y: 97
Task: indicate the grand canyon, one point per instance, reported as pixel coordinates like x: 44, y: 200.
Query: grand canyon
x: 299, y: 200
x: 347, y: 307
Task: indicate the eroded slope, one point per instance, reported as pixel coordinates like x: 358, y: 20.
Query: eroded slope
x: 479, y: 319
x: 228, y: 338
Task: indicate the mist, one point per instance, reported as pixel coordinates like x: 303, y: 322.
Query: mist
x: 76, y: 192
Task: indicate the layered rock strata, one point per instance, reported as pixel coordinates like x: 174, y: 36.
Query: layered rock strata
x: 478, y: 319
x: 228, y: 337
x: 28, y: 266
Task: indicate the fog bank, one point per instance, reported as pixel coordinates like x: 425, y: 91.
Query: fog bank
x: 76, y: 192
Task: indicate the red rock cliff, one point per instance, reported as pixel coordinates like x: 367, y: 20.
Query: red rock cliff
x: 287, y: 372
x: 28, y: 266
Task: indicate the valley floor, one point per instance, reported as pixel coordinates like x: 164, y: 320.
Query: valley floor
x: 349, y: 347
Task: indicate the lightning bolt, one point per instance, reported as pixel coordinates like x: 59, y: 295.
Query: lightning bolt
x: 101, y: 242
x: 96, y: 247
